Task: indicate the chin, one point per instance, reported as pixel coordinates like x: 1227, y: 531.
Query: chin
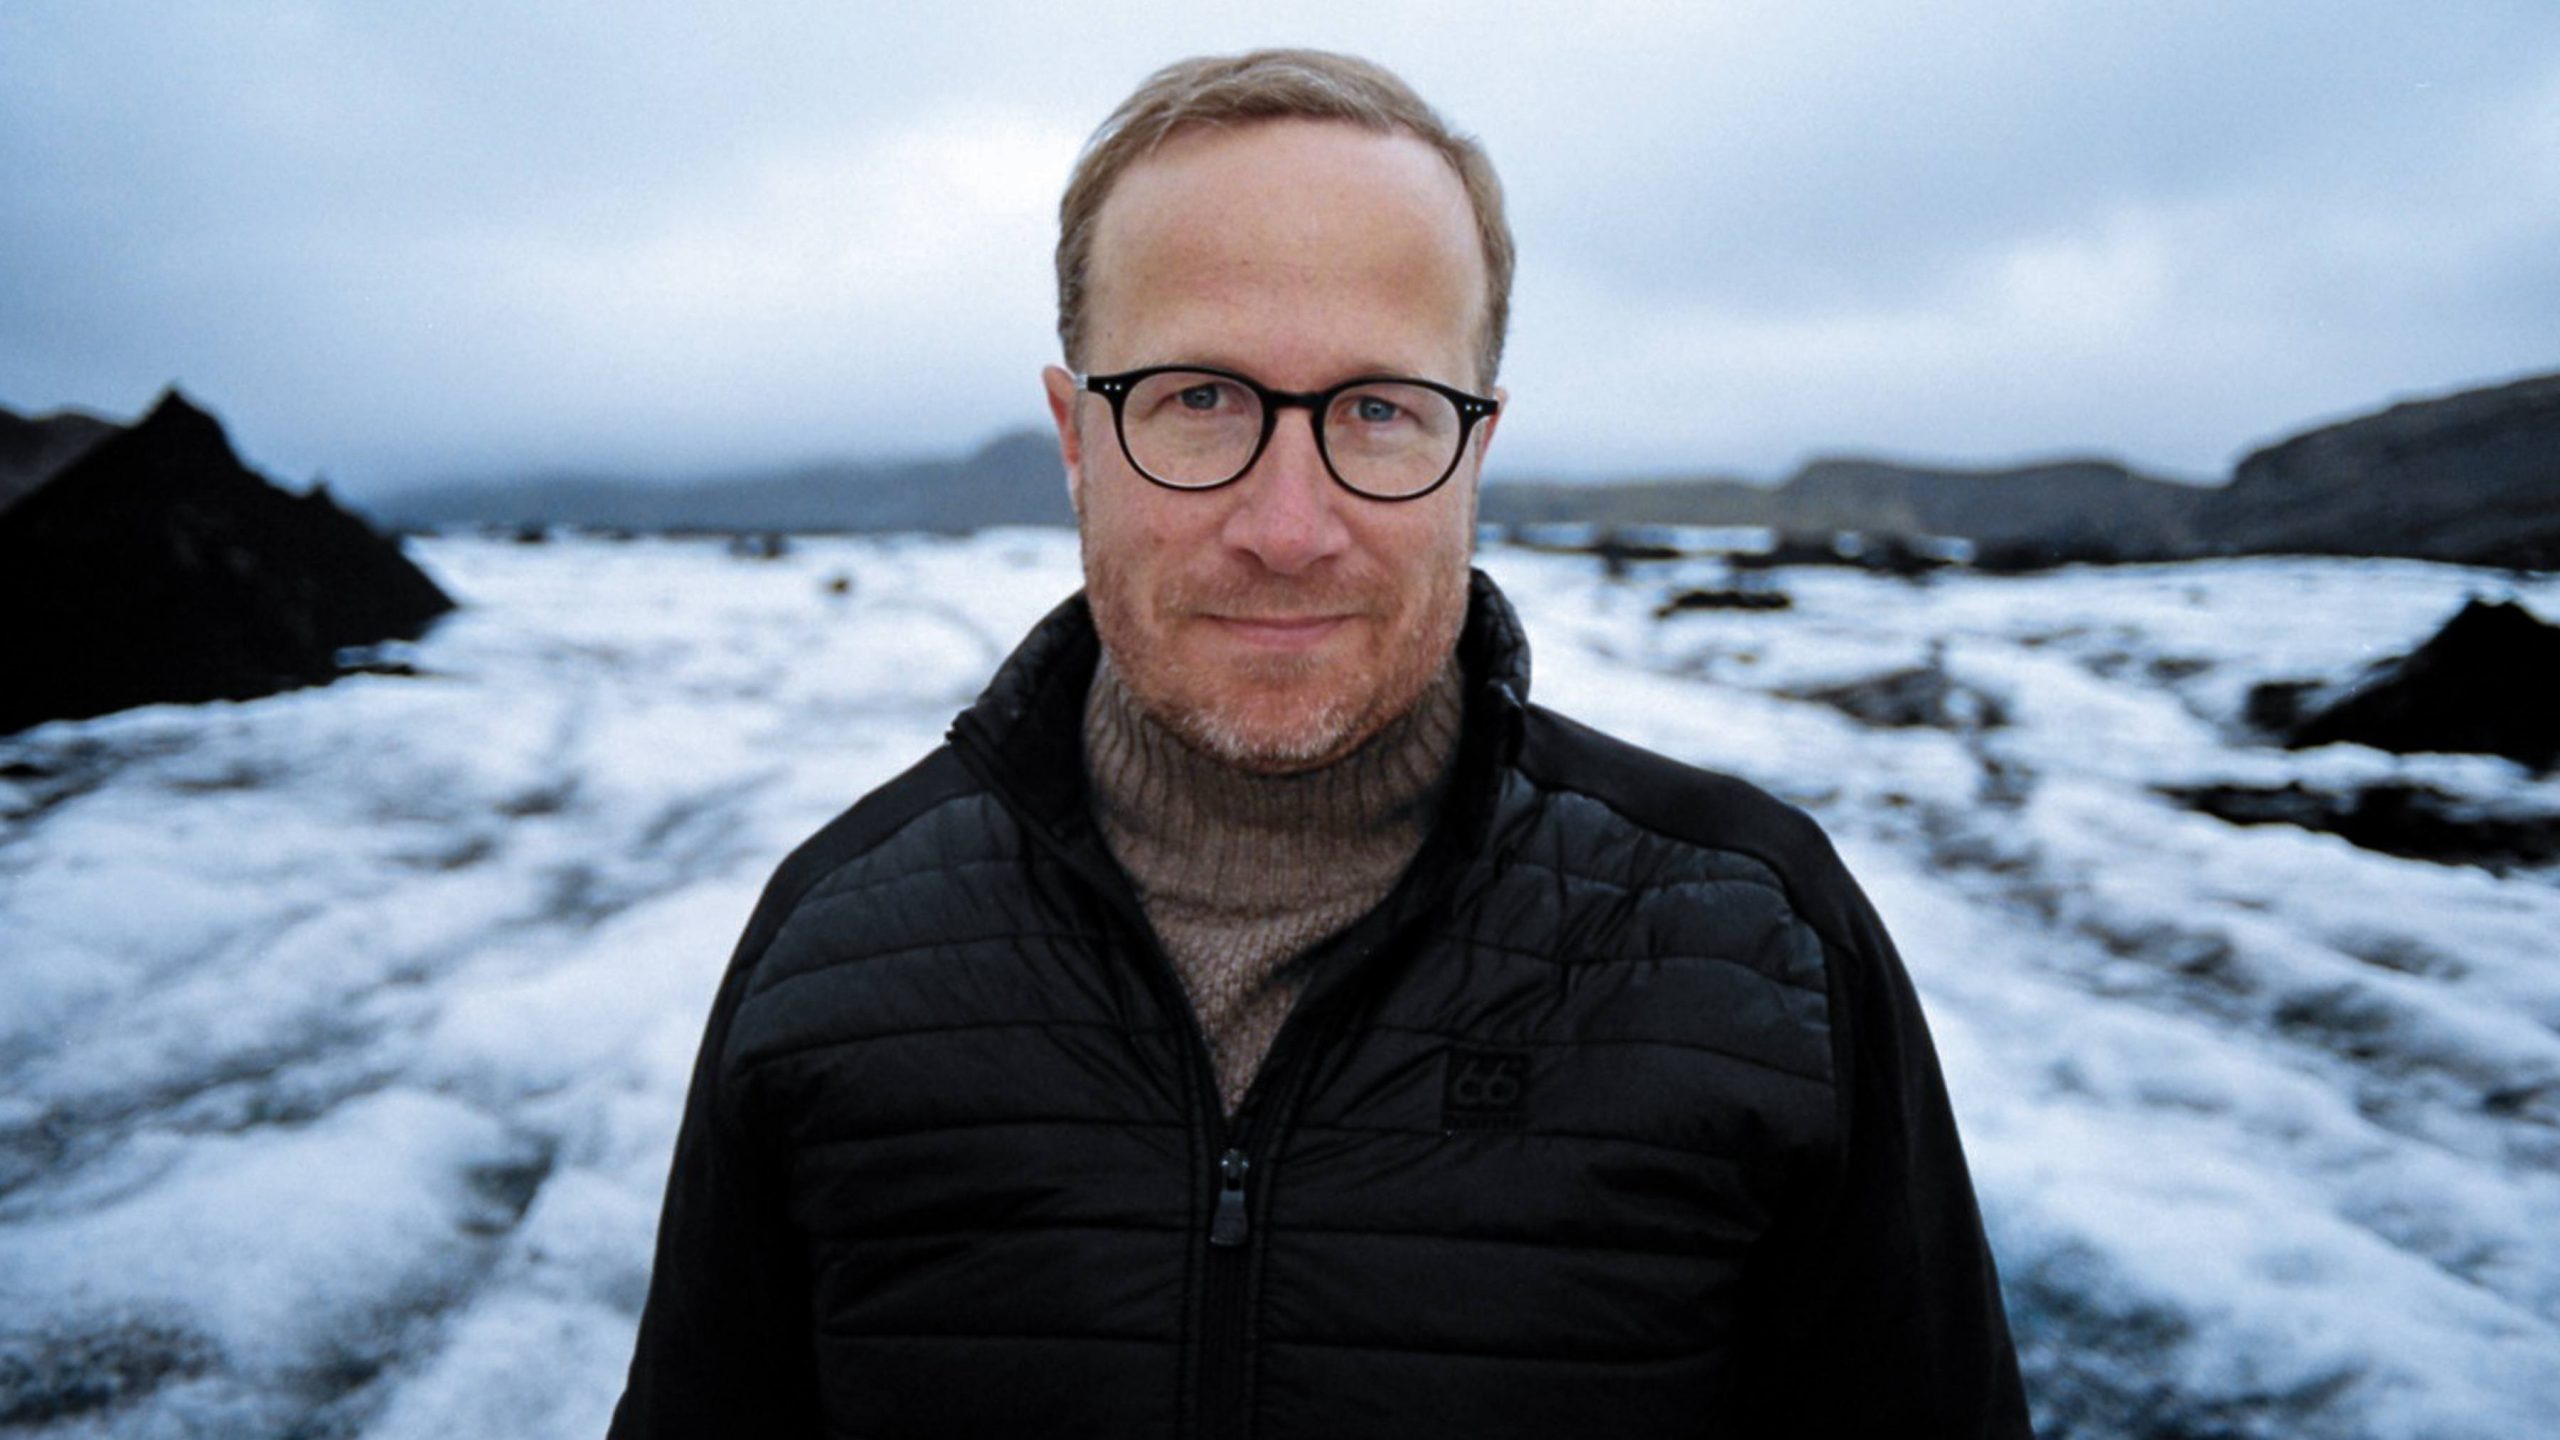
x: 1272, y: 723
x: 1272, y: 713
x: 1256, y: 739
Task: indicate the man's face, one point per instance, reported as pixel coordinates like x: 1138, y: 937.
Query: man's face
x: 1282, y: 620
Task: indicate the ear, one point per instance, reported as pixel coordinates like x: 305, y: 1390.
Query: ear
x: 1062, y: 411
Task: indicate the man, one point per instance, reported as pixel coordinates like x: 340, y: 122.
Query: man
x: 1257, y: 1019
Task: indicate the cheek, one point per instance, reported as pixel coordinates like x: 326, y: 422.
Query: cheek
x: 1422, y: 557
x: 1436, y: 587
x: 1157, y: 532
x: 1132, y: 548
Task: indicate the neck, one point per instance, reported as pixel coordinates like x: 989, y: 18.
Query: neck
x: 1240, y: 873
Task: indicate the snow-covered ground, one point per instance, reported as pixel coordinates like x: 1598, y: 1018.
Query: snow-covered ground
x: 343, y: 1033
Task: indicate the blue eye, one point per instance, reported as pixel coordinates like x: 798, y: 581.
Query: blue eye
x: 1199, y: 397
x: 1375, y: 409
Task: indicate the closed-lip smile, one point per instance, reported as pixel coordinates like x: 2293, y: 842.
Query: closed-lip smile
x: 1281, y: 632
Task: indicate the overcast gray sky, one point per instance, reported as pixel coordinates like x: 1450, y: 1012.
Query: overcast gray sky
x: 390, y: 242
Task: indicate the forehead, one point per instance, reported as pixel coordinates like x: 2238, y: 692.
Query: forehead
x: 1292, y: 243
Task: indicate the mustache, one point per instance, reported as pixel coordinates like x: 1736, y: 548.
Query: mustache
x: 1245, y: 596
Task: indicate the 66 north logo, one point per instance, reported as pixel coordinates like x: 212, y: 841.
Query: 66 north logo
x: 1485, y: 1090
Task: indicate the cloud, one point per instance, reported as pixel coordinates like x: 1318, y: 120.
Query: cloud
x: 395, y: 241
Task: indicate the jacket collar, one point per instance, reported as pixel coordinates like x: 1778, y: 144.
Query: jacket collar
x: 1024, y: 734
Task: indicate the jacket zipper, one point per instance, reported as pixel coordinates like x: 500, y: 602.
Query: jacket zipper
x: 1240, y: 1169
x: 1218, y: 1379
x: 1243, y: 1173
x: 1219, y: 1376
x: 1224, y: 1294
x: 1219, y: 1407
x: 1227, y: 1227
x: 1226, y: 1290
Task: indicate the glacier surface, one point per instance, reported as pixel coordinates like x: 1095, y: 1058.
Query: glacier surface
x: 343, y: 1033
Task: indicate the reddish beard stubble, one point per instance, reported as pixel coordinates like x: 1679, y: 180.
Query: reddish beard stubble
x: 1278, y: 713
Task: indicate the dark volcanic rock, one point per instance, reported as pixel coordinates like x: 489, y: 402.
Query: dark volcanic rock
x: 1924, y: 695
x: 33, y: 449
x: 2484, y: 684
x: 2029, y: 557
x: 2274, y: 707
x: 1889, y: 553
x: 762, y: 545
x: 1789, y: 548
x: 2416, y: 822
x: 1617, y: 553
x: 1723, y: 600
x: 2472, y: 478
x: 155, y: 567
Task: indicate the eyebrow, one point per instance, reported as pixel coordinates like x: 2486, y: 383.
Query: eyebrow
x: 1211, y: 360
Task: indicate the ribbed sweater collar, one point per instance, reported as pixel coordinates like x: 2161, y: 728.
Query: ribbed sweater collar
x: 1213, y: 838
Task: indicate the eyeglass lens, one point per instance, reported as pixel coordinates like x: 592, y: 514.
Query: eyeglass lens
x: 1196, y: 428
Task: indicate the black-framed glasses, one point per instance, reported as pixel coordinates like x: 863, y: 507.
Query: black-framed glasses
x: 1192, y: 427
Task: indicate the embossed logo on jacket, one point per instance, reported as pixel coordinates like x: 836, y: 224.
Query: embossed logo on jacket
x: 1485, y: 1090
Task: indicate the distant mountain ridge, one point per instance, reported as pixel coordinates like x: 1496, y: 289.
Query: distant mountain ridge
x: 1011, y: 480
x: 2072, y: 502
x: 2472, y: 477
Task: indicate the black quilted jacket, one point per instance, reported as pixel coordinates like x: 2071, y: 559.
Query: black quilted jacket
x: 1617, y: 1118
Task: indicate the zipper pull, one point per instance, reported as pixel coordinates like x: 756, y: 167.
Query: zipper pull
x: 1228, y: 1227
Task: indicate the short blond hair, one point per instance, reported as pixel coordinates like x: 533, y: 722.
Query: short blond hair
x: 1273, y: 85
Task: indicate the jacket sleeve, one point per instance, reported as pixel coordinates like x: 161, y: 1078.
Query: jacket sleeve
x: 724, y: 1346
x: 1881, y: 1308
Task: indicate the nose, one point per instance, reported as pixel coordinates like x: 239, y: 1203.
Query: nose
x: 1287, y: 511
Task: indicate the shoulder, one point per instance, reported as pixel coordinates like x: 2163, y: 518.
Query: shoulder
x: 899, y: 824
x: 1648, y: 795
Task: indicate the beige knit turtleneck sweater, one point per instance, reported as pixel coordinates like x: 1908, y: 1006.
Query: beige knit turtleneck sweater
x: 1240, y: 873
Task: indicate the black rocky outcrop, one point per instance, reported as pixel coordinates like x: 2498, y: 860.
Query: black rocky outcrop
x: 153, y: 566
x: 2031, y: 557
x: 2484, y: 684
x: 1890, y: 552
x: 1922, y: 695
x: 34, y: 448
x: 2415, y: 822
x: 1732, y: 598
